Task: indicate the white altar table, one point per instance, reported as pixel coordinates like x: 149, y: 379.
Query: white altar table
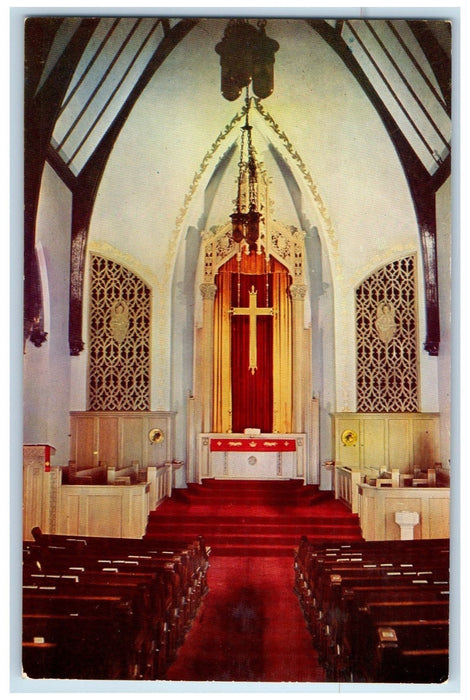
x: 241, y: 456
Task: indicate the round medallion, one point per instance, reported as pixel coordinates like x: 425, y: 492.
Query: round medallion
x: 156, y: 435
x: 349, y: 438
x: 252, y: 460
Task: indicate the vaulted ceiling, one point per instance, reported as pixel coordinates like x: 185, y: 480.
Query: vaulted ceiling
x: 85, y: 75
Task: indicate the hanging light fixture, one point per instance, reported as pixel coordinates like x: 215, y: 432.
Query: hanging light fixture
x: 246, y: 55
x: 246, y: 217
x: 263, y: 62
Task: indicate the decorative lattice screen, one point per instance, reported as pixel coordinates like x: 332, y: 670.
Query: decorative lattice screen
x: 119, y: 357
x: 386, y: 331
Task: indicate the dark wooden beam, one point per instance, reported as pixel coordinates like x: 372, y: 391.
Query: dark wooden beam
x: 41, y: 106
x: 63, y: 171
x: 90, y: 178
x: 423, y: 186
x: 437, y: 53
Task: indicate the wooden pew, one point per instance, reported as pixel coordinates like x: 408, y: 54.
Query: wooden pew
x: 342, y: 597
x: 82, y: 627
x: 85, y: 586
x: 324, y: 571
x: 166, y: 569
x: 73, y: 474
x: 337, y: 653
x: 153, y: 598
x: 391, y: 631
x: 189, y: 567
x: 413, y: 651
x: 350, y: 594
x: 124, y: 475
x: 162, y: 637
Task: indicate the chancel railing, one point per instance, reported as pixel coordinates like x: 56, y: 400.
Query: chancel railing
x: 118, y: 509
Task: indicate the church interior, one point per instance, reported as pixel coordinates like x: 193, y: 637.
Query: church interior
x: 237, y: 349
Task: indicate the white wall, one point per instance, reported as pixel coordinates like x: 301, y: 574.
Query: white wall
x: 444, y: 237
x: 46, y: 384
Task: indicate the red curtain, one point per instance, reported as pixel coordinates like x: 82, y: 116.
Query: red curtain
x: 252, y: 393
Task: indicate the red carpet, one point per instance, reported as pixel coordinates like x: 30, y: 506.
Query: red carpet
x: 249, y: 628
x: 264, y: 518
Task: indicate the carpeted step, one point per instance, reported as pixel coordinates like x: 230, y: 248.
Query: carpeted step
x: 221, y: 550
x: 252, y: 518
x: 254, y: 484
x: 289, y: 490
x: 243, y: 517
x: 273, y: 541
x: 295, y: 529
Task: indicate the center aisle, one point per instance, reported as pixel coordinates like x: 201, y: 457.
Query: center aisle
x: 249, y: 627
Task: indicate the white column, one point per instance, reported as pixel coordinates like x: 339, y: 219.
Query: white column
x: 298, y: 292
x: 208, y: 292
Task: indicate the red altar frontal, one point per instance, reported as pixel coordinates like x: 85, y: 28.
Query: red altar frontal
x: 264, y: 456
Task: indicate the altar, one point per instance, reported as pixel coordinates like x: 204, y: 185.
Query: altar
x: 264, y: 456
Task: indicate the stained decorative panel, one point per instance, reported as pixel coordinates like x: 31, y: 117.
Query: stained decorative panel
x: 386, y: 333
x: 119, y: 356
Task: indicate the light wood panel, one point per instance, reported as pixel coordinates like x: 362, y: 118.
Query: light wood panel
x: 394, y: 440
x: 120, y: 438
x: 378, y: 506
x: 372, y: 442
x: 93, y: 510
x: 104, y: 511
x: 399, y: 430
x: 108, y: 439
x: 346, y: 455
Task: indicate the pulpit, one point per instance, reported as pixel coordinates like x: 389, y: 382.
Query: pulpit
x: 264, y: 456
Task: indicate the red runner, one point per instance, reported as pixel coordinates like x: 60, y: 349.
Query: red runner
x: 251, y: 445
x: 250, y: 627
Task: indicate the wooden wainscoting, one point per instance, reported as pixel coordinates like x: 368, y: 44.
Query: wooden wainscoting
x: 393, y: 440
x: 118, y: 439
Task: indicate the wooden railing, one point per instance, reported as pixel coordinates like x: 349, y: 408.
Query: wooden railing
x: 377, y: 494
x: 160, y: 479
x: 346, y: 483
x: 91, y: 505
x: 377, y: 508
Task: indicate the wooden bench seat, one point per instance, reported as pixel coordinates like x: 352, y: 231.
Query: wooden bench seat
x: 325, y: 593
x: 397, y: 650
x: 167, y: 569
x: 350, y: 595
x: 339, y: 616
x: 149, y: 614
x: 74, y: 474
x: 81, y: 643
x: 144, y: 592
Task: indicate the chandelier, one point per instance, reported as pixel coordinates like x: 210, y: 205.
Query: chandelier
x: 246, y: 217
x: 246, y: 55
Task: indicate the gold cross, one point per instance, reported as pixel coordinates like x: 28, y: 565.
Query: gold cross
x: 252, y: 311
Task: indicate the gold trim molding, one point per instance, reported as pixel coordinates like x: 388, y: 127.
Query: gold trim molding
x: 305, y: 173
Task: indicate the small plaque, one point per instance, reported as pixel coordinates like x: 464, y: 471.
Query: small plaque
x: 387, y: 634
